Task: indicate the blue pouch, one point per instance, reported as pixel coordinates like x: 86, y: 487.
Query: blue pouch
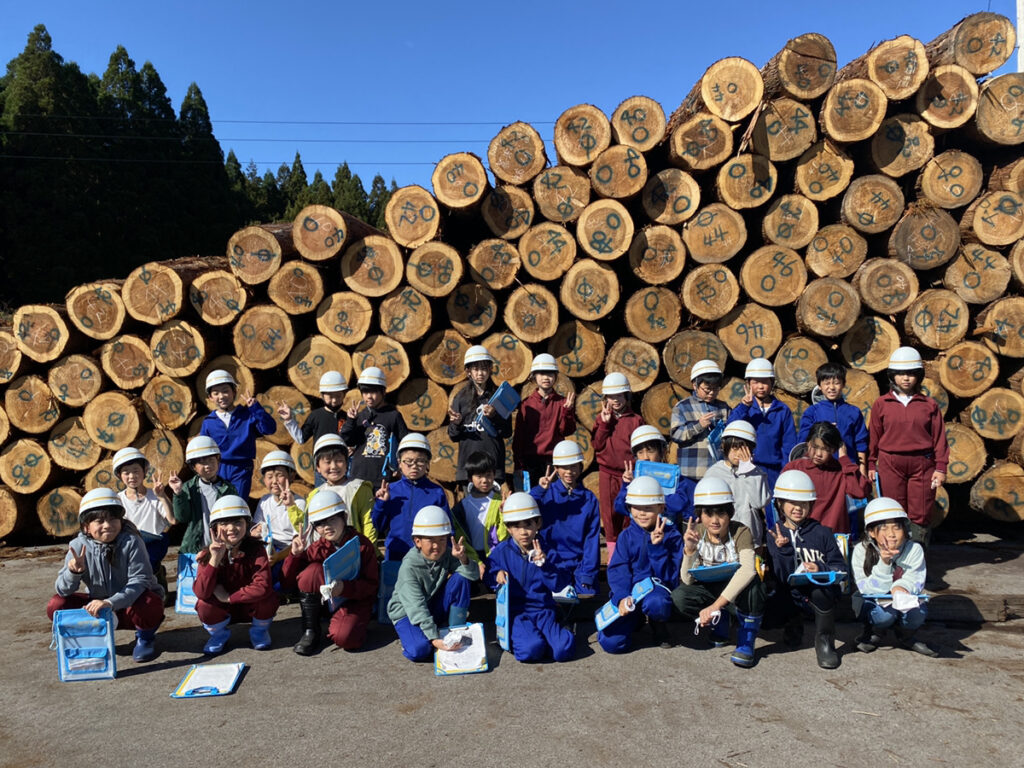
x: 185, y: 598
x: 501, y: 618
x: 84, y: 644
x: 388, y: 579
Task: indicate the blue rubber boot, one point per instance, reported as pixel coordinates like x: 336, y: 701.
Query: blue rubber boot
x: 746, y: 634
x: 720, y: 631
x: 144, y: 650
x: 219, y: 636
x: 259, y: 634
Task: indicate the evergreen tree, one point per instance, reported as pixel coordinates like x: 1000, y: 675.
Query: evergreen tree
x: 317, y: 193
x: 294, y: 184
x: 349, y: 194
x: 378, y: 203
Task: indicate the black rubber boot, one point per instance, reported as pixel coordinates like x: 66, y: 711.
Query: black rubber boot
x: 825, y: 638
x: 909, y: 642
x: 309, y: 643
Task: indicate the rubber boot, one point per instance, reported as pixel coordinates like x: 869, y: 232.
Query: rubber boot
x: 219, y: 636
x: 825, y: 638
x: 457, y: 616
x: 309, y: 603
x: 868, y: 640
x: 720, y: 631
x: 908, y: 641
x: 259, y: 634
x: 144, y: 650
x: 746, y: 634
x: 660, y: 633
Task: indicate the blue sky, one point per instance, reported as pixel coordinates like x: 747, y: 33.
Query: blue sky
x: 392, y: 87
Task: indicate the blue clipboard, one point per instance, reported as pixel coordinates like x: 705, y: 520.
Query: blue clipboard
x: 501, y: 618
x: 185, y: 599
x: 817, y: 579
x: 504, y: 401
x: 388, y: 579
x: 922, y: 597
x: 203, y: 680
x: 667, y: 475
x: 342, y: 565
x: 609, y: 612
x: 711, y: 574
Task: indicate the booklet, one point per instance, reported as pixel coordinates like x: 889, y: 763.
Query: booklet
x: 469, y: 657
x: 203, y: 680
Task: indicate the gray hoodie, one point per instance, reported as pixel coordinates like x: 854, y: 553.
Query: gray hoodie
x: 118, y: 572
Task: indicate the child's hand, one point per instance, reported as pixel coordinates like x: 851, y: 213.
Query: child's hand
x: 93, y: 607
x: 537, y: 556
x: 781, y: 539
x: 501, y: 577
x: 299, y: 541
x: 383, y: 493
x: 938, y: 478
x: 283, y: 410
x: 745, y: 455
x: 748, y: 395
x: 158, y: 486
x: 706, y: 617
x: 174, y: 483
x: 843, y: 451
x: 706, y: 419
x: 218, y: 549
x: 439, y: 644
x: 627, y: 471
x: 625, y: 606
x: 894, y: 590
x: 872, y: 475
x: 250, y: 401
x: 488, y: 411
x: 811, y: 567
x: 76, y: 563
x: 690, y: 538
x: 352, y: 411
x: 482, y: 568
x: 545, y: 481
x: 454, y: 416
x: 570, y: 401
x: 459, y: 550
x: 887, y: 555
x: 658, y: 534
x: 505, y: 492
x: 287, y: 497
x: 256, y: 531
x: 606, y: 412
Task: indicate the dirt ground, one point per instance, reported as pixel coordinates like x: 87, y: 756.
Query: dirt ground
x: 682, y: 706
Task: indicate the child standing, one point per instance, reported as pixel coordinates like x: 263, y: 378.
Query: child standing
x: 615, y: 423
x: 802, y: 545
x: 235, y: 429
x: 748, y: 482
x: 543, y: 419
x: 304, y: 566
x: 694, y: 417
x: 478, y: 513
x: 532, y: 575
x: 147, y: 509
x: 650, y: 548
x: 769, y: 416
x: 888, y: 562
x: 469, y: 404
x: 373, y: 431
x: 648, y: 444
x: 330, y: 457
x: 233, y: 578
x: 322, y: 421
x: 194, y: 498
x: 109, y: 556
x: 834, y: 409
x: 908, y: 452
x: 571, y: 517
x: 278, y: 509
x: 432, y: 587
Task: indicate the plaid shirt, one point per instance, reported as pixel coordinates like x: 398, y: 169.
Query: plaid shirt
x: 693, y: 453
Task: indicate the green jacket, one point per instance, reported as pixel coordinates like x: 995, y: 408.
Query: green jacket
x: 188, y: 509
x: 419, y: 580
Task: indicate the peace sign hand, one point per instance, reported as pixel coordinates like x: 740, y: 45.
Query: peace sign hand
x: 287, y: 497
x: 606, y: 412
x: 76, y: 563
x: 781, y: 539
x: 570, y: 401
x: 299, y: 541
x: 690, y: 538
x: 627, y: 471
x: 537, y: 556
x: 658, y: 534
x: 459, y: 550
x: 283, y: 410
x: 250, y: 401
x: 174, y: 483
x: 383, y: 493
x: 158, y: 486
x: 545, y: 481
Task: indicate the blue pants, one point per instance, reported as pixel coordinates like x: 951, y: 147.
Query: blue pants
x: 239, y: 474
x: 415, y: 645
x: 537, y: 635
x: 617, y: 637
x: 156, y: 548
x: 883, y: 618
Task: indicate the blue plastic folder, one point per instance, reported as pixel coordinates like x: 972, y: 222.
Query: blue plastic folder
x: 501, y: 618
x: 84, y: 644
x: 203, y: 680
x: 667, y: 475
x: 710, y: 574
x: 185, y: 599
x: 388, y: 579
x: 469, y: 658
x: 342, y: 565
x: 504, y: 401
x: 610, y: 611
x: 817, y: 579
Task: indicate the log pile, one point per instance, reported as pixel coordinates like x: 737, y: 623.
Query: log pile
x: 798, y: 211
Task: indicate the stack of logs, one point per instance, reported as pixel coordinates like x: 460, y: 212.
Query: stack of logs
x: 798, y: 212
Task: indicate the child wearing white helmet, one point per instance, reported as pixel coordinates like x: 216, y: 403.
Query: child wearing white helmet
x: 108, y: 556
x: 278, y: 509
x: 715, y: 540
x: 472, y: 400
x: 532, y: 572
x: 233, y: 580
x: 331, y: 461
x: 612, y: 429
x: 800, y: 544
x: 695, y: 417
x: 372, y: 430
x: 321, y: 421
x: 748, y: 482
x: 651, y: 547
x: 889, y: 571
x: 304, y: 567
x: 648, y: 444
x: 907, y: 448
x: 771, y: 418
x: 194, y: 498
x: 543, y: 419
x: 148, y: 509
x: 235, y: 429
x: 834, y: 480
x: 572, y: 521
x: 433, y: 587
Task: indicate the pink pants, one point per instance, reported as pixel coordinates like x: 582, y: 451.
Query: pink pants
x: 348, y: 624
x: 145, y: 613
x: 907, y: 478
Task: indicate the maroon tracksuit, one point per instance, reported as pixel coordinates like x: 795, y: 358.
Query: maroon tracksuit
x: 612, y: 451
x: 540, y: 425
x: 246, y: 578
x: 833, y: 482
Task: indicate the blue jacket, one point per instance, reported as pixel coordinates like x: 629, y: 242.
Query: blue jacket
x: 848, y: 420
x: 816, y: 544
x: 529, y: 586
x: 635, y: 558
x: 678, y: 505
x: 237, y: 441
x: 395, y: 515
x: 572, y: 524
x: 776, y: 434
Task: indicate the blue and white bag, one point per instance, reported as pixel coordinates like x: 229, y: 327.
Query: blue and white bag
x: 85, y: 645
x: 185, y: 599
x: 388, y: 578
x: 501, y: 618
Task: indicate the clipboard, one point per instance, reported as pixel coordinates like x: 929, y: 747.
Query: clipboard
x: 609, y: 612
x: 504, y: 401
x: 342, y: 565
x: 711, y: 574
x: 204, y: 680
x: 815, y: 579
x: 469, y: 658
x: 667, y: 475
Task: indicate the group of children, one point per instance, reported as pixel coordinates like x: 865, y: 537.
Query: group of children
x: 740, y: 496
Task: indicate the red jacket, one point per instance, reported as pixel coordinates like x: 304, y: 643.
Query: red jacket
x: 540, y: 425
x: 611, y: 441
x: 833, y: 482
x: 915, y: 428
x: 363, y: 587
x: 246, y: 577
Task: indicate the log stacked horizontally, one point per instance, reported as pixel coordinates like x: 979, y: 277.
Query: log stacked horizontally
x: 801, y: 212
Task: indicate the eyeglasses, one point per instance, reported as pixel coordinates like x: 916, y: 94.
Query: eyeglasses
x: 703, y: 387
x: 415, y: 462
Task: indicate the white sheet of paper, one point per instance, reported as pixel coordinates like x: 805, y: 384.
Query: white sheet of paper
x: 904, y: 601
x: 470, y: 654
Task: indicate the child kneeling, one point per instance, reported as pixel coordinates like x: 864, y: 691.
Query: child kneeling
x: 110, y: 557
x: 233, y: 578
x: 532, y: 574
x: 432, y: 586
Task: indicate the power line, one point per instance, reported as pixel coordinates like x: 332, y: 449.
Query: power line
x: 117, y: 137
x: 66, y: 158
x: 293, y: 122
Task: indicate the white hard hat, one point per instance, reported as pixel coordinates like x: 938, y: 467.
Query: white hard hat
x: 477, y: 354
x: 332, y: 381
x: 431, y: 521
x: 414, y: 441
x: 905, y: 359
x: 759, y: 368
x: 325, y: 504
x: 567, y: 453
x: 543, y: 363
x: 712, y: 491
x: 372, y: 377
x: 703, y: 368
x: 229, y: 506
x: 883, y: 508
x: 328, y: 441
x: 129, y: 456
x: 645, y: 433
x: 742, y: 429
x: 219, y: 377
x: 99, y: 498
x: 795, y: 485
x: 277, y: 459
x: 200, y: 446
x: 644, y: 491
x: 519, y: 506
x: 615, y: 384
